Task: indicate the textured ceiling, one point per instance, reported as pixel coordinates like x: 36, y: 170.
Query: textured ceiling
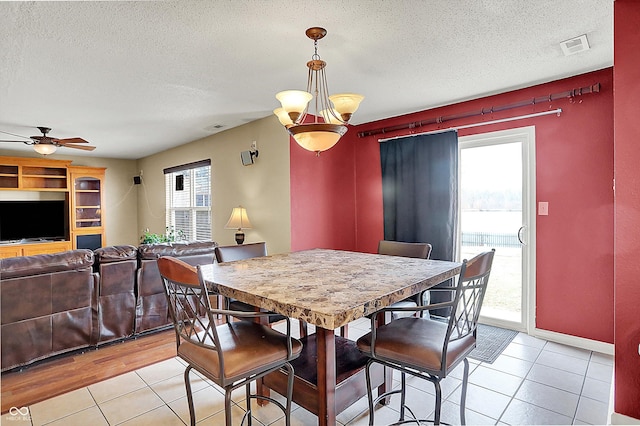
x: 135, y: 78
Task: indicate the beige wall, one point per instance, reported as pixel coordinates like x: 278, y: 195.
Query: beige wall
x: 262, y: 188
x: 120, y: 194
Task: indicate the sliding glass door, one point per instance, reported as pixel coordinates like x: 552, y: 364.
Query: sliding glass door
x: 495, y: 212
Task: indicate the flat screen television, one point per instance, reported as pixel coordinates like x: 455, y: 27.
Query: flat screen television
x: 45, y: 219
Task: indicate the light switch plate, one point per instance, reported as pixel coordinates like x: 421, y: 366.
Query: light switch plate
x: 543, y: 208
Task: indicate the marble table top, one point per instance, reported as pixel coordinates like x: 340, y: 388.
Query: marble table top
x: 328, y: 288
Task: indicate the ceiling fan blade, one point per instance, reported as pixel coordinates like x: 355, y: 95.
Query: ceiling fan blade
x: 70, y: 140
x: 83, y: 147
x: 25, y: 142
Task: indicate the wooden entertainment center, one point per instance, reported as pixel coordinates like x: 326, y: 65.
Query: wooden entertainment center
x: 83, y: 189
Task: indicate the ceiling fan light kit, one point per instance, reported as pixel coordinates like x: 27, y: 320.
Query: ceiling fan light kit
x: 45, y: 148
x: 335, y: 110
x: 47, y: 145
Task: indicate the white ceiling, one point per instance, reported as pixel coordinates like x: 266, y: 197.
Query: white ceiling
x: 135, y: 78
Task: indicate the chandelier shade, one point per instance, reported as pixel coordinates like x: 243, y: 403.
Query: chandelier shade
x: 321, y: 129
x: 283, y: 117
x: 330, y: 116
x: 346, y: 104
x: 317, y: 137
x: 294, y: 102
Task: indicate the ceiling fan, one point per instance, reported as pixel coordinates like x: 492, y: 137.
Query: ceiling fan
x: 46, y: 145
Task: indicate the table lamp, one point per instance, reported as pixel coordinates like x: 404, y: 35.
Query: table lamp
x: 239, y: 220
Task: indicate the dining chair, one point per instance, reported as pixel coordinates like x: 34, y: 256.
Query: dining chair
x: 429, y: 348
x: 414, y: 250
x: 242, y: 252
x: 402, y: 249
x: 231, y: 354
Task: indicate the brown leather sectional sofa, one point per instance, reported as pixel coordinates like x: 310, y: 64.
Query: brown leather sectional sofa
x: 57, y: 303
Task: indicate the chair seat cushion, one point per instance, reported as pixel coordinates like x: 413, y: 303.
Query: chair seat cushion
x: 247, y: 347
x: 418, y: 343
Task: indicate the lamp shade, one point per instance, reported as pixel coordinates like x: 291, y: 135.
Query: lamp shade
x: 238, y: 219
x: 45, y: 148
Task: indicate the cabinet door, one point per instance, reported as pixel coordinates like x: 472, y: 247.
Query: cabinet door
x: 45, y: 248
x: 10, y: 251
x: 87, y: 205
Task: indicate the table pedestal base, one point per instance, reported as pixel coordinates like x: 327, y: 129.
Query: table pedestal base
x: 350, y: 378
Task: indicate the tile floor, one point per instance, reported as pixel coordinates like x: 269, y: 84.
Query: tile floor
x: 532, y: 382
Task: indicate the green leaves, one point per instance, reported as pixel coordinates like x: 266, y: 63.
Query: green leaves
x: 170, y: 236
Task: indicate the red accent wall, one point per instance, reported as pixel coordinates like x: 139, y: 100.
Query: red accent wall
x: 627, y: 206
x: 322, y: 198
x: 574, y: 166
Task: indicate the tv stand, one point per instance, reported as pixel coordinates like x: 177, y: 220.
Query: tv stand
x: 31, y: 248
x: 84, y: 191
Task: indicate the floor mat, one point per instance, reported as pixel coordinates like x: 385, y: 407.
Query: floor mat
x: 491, y: 342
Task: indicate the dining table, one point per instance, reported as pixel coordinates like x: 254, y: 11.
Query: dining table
x: 329, y: 289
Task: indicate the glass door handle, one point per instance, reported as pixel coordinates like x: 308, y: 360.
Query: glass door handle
x: 520, y: 234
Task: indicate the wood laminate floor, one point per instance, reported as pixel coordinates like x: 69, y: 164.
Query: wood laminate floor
x: 78, y: 370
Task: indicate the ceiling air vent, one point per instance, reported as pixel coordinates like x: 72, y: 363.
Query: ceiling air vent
x: 214, y: 127
x: 575, y: 45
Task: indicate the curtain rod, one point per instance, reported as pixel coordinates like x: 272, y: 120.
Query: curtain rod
x: 437, y: 120
x: 482, y: 123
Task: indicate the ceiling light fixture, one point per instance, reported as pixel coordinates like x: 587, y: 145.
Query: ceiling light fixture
x: 44, y: 148
x: 310, y: 133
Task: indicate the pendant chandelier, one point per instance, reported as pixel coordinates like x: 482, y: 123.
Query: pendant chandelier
x: 334, y: 110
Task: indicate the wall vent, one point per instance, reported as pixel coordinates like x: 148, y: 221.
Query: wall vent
x: 575, y: 45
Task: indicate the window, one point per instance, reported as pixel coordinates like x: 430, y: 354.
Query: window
x: 188, y: 198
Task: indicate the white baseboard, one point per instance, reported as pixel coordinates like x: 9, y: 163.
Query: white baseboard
x: 621, y: 419
x: 578, y: 342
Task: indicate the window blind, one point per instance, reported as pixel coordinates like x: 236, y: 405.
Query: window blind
x: 188, y: 200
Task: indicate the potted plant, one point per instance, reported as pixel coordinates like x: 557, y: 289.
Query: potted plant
x: 170, y: 236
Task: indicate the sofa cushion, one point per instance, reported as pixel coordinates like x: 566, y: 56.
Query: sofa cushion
x: 115, y: 254
x: 24, y: 266
x: 155, y: 251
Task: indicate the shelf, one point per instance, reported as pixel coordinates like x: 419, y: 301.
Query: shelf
x: 87, y: 207
x: 44, y: 171
x: 44, y: 176
x: 41, y: 182
x: 8, y: 182
x: 8, y: 170
x: 88, y: 220
x: 88, y: 190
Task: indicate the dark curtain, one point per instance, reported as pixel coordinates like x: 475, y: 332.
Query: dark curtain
x: 420, y: 196
x: 420, y: 191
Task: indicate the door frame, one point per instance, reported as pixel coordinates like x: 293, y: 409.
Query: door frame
x: 525, y: 135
